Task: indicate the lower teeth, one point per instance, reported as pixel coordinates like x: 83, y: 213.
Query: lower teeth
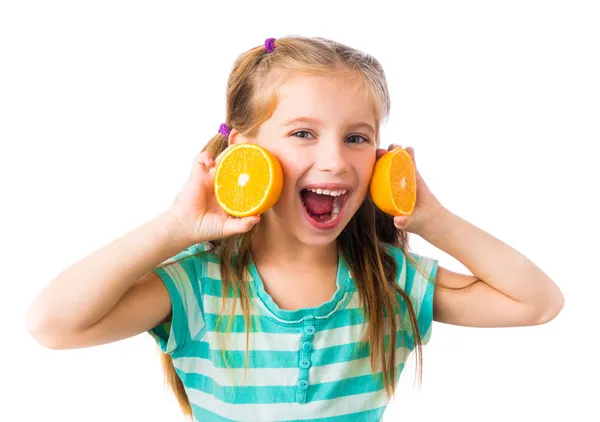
x: 335, y: 213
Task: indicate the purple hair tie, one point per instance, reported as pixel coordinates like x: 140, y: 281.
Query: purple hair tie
x: 270, y: 45
x: 225, y: 130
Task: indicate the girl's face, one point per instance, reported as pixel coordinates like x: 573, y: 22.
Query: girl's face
x: 323, y: 134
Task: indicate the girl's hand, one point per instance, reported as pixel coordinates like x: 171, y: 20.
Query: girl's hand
x: 196, y: 207
x: 427, y: 209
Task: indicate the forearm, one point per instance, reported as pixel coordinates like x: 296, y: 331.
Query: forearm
x: 86, y: 291
x: 492, y: 261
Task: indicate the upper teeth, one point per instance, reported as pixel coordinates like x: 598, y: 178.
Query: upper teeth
x: 329, y: 192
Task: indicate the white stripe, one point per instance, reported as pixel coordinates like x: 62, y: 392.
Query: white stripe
x: 213, y: 270
x: 184, y: 287
x: 337, y: 336
x: 288, y: 411
x: 172, y: 341
x: 352, y: 333
x: 351, y: 369
x: 257, y: 341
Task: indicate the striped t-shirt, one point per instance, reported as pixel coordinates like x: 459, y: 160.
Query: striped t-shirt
x: 303, y: 365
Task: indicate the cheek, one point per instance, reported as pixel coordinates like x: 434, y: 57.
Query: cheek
x: 364, y: 169
x: 291, y: 172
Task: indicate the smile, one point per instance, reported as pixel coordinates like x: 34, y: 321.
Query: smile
x: 324, y: 208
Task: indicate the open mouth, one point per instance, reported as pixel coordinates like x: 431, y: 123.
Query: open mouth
x: 325, y: 207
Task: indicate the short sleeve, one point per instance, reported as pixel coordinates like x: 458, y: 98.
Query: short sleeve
x: 181, y: 275
x: 419, y: 286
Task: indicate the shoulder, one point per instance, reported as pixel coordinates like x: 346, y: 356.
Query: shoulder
x: 412, y: 267
x: 195, y: 250
x: 183, y: 275
x: 194, y: 260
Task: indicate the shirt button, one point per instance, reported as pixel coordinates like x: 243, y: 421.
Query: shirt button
x: 304, y: 363
x: 306, y: 346
x: 303, y: 384
x: 309, y: 329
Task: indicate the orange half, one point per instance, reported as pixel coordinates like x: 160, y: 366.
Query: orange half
x: 248, y: 180
x: 393, y: 185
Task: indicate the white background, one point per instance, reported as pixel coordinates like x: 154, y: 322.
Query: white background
x: 103, y: 107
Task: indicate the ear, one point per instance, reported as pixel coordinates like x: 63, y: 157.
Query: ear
x: 235, y: 137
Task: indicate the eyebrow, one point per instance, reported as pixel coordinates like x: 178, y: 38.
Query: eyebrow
x: 318, y: 122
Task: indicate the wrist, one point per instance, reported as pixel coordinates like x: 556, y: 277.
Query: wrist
x: 438, y: 224
x: 176, y: 231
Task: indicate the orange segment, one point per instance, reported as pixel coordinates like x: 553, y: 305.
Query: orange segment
x: 393, y: 184
x: 248, y: 180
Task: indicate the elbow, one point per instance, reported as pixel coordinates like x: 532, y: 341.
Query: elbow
x: 38, y: 327
x: 551, y: 309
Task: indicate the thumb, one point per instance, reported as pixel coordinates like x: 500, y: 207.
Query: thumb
x: 401, y: 221
x: 240, y: 225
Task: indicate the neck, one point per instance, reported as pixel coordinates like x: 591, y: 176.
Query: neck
x: 273, y: 244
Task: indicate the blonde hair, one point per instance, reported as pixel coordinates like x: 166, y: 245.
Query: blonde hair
x: 252, y: 94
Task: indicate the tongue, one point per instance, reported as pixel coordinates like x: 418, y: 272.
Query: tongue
x: 317, y: 204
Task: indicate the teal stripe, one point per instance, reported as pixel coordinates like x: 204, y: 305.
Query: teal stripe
x: 410, y: 278
x: 349, y: 352
x: 343, y: 318
x: 203, y: 415
x: 348, y: 387
x: 212, y: 287
x: 425, y: 318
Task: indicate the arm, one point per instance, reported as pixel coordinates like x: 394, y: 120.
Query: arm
x: 98, y: 299
x: 506, y: 289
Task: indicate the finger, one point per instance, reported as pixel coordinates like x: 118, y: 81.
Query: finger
x: 200, y: 162
x: 202, y: 157
x: 223, y: 152
x: 400, y: 222
x: 240, y: 225
x: 394, y: 146
x: 201, y: 165
x: 211, y: 172
x: 380, y: 152
x: 411, y: 151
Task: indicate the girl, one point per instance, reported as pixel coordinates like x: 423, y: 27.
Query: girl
x: 311, y: 309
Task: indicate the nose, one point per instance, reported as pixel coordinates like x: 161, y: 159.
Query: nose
x: 331, y: 157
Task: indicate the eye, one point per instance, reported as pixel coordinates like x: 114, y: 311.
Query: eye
x: 358, y: 137
x: 301, y: 131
